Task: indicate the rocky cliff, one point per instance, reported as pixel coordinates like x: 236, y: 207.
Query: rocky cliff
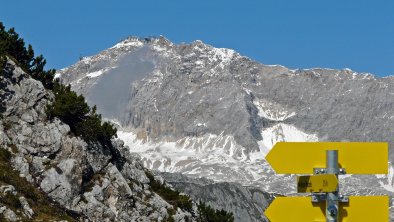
x: 82, y: 179
x: 246, y: 203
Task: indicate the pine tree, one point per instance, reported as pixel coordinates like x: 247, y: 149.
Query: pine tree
x: 13, y: 46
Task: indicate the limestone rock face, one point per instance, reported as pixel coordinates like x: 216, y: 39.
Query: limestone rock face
x: 81, y: 177
x: 179, y: 90
x: 210, y: 112
x: 8, y: 214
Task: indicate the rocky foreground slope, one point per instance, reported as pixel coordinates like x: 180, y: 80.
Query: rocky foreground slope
x: 77, y: 180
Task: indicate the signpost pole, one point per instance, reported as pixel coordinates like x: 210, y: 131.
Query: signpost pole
x: 332, y: 197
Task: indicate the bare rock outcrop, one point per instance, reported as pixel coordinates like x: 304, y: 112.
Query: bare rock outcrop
x: 85, y: 178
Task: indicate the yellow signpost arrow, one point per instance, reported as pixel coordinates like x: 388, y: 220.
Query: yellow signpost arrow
x: 317, y: 183
x: 295, y: 209
x: 303, y: 157
x: 302, y: 209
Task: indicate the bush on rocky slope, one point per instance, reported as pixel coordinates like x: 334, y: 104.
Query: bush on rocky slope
x: 73, y: 110
x: 2, y: 59
x: 208, y: 214
x: 171, y: 196
x: 14, y: 46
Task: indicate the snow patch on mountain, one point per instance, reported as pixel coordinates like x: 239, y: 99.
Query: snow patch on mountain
x: 386, y: 181
x: 210, y: 146
x: 163, y: 50
x: 285, y: 133
x: 223, y: 54
x: 96, y: 73
x: 129, y: 42
x: 248, y: 91
x: 282, y: 133
x: 272, y: 110
x: 217, y: 157
x: 159, y: 48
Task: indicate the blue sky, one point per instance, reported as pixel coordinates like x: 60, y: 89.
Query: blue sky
x: 357, y: 34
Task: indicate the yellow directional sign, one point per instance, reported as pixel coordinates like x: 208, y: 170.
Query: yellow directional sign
x: 295, y: 209
x: 303, y: 157
x: 301, y: 209
x: 317, y: 183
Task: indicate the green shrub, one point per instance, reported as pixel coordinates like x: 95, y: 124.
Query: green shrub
x: 11, y: 201
x: 5, y: 155
x: 171, y: 196
x: 2, y: 60
x: 205, y: 212
x: 14, y: 46
x: 73, y: 110
x: 92, y: 130
x: 37, y: 72
x: 208, y: 214
x: 68, y: 106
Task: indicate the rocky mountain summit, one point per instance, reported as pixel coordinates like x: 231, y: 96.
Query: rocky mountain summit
x: 211, y: 112
x: 76, y: 179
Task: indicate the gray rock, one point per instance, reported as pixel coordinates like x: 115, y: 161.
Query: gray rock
x: 20, y: 163
x: 3, y: 137
x: 10, y: 215
x: 131, y: 172
x: 8, y: 189
x: 56, y: 184
x: 27, y: 118
x: 2, y: 209
x: 26, y: 207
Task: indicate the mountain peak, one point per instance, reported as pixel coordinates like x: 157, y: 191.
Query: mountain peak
x: 135, y: 41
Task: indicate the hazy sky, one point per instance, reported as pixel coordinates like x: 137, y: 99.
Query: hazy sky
x: 358, y: 34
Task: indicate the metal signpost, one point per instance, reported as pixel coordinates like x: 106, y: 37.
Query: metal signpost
x: 333, y: 196
x: 327, y: 160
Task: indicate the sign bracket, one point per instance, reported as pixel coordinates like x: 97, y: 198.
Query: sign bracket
x: 320, y: 197
x: 317, y: 171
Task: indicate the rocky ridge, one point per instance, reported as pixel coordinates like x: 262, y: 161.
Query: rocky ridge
x: 82, y: 177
